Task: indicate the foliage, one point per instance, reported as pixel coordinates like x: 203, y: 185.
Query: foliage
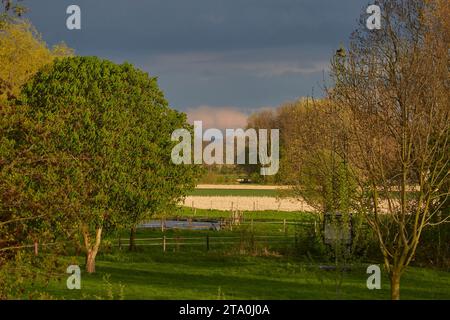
x: 314, y: 147
x: 110, y: 127
x: 326, y: 182
x: 30, y: 198
x: 26, y: 276
x: 30, y: 205
x: 22, y: 54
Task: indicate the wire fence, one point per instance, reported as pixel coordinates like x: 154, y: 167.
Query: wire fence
x: 247, y: 233
x: 209, y: 242
x: 220, y: 224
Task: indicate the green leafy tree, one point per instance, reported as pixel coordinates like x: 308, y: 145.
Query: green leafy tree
x: 153, y: 184
x: 30, y: 205
x: 109, y: 132
x: 22, y: 54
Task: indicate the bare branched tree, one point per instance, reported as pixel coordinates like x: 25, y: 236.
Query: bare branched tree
x: 395, y: 83
x: 13, y: 6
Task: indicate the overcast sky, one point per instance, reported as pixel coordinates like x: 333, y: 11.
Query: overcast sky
x: 211, y: 56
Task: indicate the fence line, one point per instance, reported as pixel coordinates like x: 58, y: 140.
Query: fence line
x: 28, y: 246
x: 207, y: 241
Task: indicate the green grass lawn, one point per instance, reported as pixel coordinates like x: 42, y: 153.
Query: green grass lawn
x: 248, y: 215
x: 232, y: 269
x: 187, y: 274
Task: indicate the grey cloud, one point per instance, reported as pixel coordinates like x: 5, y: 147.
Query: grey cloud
x: 243, y: 53
x: 171, y: 25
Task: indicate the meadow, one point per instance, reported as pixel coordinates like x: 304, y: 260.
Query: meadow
x: 196, y: 274
x: 250, y: 261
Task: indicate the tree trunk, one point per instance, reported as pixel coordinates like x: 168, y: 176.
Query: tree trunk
x: 132, y: 245
x: 395, y: 286
x: 90, y: 261
x: 91, y: 248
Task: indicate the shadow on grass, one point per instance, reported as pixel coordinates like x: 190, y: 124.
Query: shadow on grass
x: 201, y: 275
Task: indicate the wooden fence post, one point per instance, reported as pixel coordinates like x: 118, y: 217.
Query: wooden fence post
x: 164, y: 243
x: 36, y: 248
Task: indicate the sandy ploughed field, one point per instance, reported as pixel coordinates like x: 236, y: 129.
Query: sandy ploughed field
x: 246, y: 203
x: 240, y: 187
x: 240, y: 197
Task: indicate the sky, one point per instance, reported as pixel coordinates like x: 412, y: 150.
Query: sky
x: 216, y: 60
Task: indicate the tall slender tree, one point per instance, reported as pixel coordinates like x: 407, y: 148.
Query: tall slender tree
x: 395, y: 84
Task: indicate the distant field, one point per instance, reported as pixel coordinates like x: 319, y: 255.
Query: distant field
x: 234, y: 192
x: 245, y: 197
x: 242, y: 187
x: 251, y: 197
x: 263, y: 215
x: 246, y: 203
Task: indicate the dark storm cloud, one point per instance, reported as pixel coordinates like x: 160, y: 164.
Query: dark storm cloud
x: 243, y: 53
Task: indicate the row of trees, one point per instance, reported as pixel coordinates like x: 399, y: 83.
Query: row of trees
x: 85, y: 146
x: 378, y: 143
